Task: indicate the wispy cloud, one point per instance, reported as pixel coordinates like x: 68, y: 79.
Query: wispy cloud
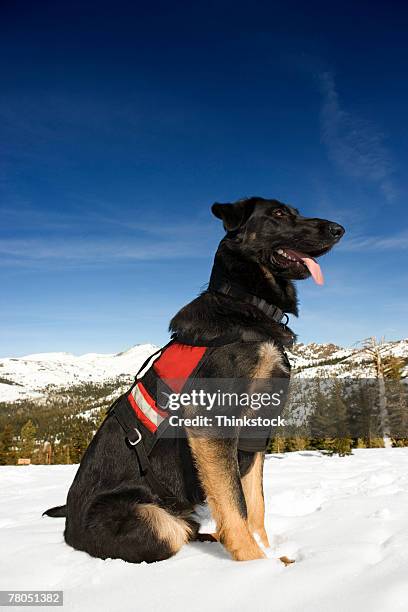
x: 140, y: 242
x: 36, y: 238
x: 95, y: 251
x: 24, y: 218
x: 354, y: 145
x: 379, y: 243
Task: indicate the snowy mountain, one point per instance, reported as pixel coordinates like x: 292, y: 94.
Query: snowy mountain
x: 35, y: 376
x: 328, y: 360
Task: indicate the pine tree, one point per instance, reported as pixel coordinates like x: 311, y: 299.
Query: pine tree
x: 341, y: 442
x: 397, y: 402
x: 79, y: 439
x: 295, y: 443
x: 100, y: 417
x: 7, y: 453
x: 376, y: 349
x: 364, y: 415
x: 27, y: 439
x: 276, y: 445
x: 320, y: 421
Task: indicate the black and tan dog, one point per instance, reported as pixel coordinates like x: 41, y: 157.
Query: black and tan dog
x: 111, y: 509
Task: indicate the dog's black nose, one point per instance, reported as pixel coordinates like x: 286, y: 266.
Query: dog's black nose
x: 336, y: 230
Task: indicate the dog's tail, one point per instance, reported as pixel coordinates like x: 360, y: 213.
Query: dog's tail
x: 57, y: 511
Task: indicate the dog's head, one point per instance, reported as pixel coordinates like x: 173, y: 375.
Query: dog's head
x: 277, y: 237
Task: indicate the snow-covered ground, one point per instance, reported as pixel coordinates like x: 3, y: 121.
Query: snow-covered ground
x: 344, y: 520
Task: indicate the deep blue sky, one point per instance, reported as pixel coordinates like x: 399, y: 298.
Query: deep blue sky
x: 120, y: 124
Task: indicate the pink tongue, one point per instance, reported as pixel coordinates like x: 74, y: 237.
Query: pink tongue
x: 314, y: 269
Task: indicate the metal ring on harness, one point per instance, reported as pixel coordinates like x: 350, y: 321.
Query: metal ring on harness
x: 138, y: 439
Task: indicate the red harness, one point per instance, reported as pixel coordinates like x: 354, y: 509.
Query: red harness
x: 176, y: 364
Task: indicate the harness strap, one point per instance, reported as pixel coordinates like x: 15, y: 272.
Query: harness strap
x: 134, y: 440
x: 147, y: 361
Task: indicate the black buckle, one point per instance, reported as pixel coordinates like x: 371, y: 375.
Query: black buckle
x: 131, y: 437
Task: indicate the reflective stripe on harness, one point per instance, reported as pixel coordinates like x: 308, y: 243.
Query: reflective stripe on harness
x: 177, y: 362
x: 145, y: 408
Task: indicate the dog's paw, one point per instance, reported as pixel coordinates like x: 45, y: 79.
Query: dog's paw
x: 248, y: 554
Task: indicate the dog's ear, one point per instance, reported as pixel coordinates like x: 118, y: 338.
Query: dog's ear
x: 234, y: 215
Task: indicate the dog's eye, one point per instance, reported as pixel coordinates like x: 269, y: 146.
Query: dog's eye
x: 279, y: 212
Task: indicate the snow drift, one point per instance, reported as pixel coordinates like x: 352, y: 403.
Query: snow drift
x: 344, y: 520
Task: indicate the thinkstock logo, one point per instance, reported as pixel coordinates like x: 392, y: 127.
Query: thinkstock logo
x: 223, y: 422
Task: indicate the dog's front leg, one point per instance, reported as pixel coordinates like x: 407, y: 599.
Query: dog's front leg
x: 252, y: 484
x: 218, y: 470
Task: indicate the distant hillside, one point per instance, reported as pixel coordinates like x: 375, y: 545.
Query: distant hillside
x: 51, y: 404
x: 329, y: 360
x: 35, y: 377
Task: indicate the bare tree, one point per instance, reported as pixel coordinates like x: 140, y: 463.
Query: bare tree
x: 376, y: 350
